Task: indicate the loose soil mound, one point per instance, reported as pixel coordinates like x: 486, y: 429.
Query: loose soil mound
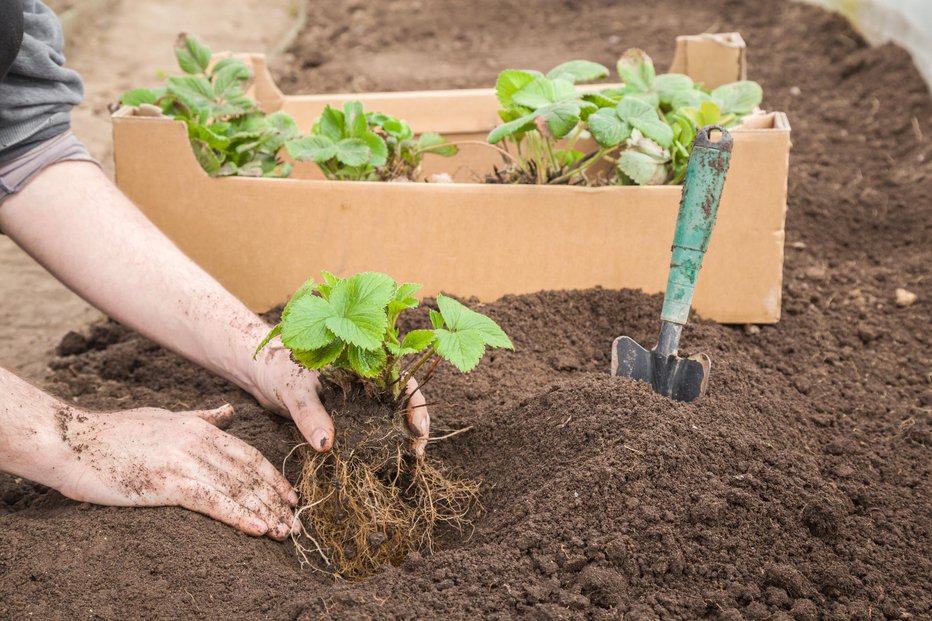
x: 799, y: 488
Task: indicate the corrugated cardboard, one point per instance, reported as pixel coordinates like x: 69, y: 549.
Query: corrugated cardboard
x: 262, y: 238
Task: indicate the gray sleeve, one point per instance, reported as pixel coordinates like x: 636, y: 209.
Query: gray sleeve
x: 11, y: 34
x: 38, y: 92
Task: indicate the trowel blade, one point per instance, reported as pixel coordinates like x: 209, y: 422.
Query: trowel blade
x: 681, y: 379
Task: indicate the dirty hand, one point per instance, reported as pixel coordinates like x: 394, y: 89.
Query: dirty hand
x: 287, y: 389
x: 149, y: 457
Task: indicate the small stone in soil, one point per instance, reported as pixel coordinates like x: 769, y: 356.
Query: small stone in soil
x: 905, y: 298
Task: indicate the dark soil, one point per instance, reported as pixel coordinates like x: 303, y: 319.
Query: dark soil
x: 799, y: 488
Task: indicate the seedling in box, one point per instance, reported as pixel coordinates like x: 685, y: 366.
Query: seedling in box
x: 230, y: 135
x: 644, y: 128
x: 351, y: 145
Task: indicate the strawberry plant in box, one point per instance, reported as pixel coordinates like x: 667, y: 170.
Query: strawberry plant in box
x: 372, y: 499
x: 351, y: 145
x: 230, y: 135
x: 643, y: 129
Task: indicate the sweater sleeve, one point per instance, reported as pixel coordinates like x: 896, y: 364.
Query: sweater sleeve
x: 11, y: 33
x: 39, y: 91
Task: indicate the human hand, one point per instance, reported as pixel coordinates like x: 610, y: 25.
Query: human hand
x: 150, y: 457
x: 283, y: 387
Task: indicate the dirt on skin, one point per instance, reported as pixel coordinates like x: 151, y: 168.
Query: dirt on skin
x: 798, y: 489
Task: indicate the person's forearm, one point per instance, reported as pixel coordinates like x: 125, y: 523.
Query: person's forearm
x: 31, y: 429
x: 78, y: 225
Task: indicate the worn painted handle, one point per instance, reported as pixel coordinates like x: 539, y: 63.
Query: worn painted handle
x: 705, y: 176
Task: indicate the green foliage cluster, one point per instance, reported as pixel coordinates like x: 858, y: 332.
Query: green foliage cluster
x: 229, y: 133
x: 349, y: 324
x: 351, y: 145
x: 646, y: 127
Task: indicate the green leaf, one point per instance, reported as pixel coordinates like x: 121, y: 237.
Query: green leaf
x: 561, y: 118
x: 329, y: 278
x: 370, y: 287
x: 463, y: 349
x: 283, y: 127
x: 206, y: 134
x: 645, y: 119
x: 306, y: 289
x: 510, y: 82
x: 649, y: 97
x: 708, y: 113
x: 354, y: 120
x: 543, y: 91
x: 460, y: 318
x: 738, y: 97
x: 366, y: 362
x: 577, y: 71
x: 231, y: 79
x: 377, y: 149
x: 403, y: 300
x: 193, y: 56
x: 195, y: 91
x: 268, y: 337
x: 224, y: 62
x: 314, y: 148
x: 406, y: 291
x: 636, y: 69
x: 669, y: 85
x: 642, y: 168
x: 138, y: 96
x: 330, y: 124
x: 392, y: 126
x: 607, y: 128
x: 568, y: 157
x: 305, y: 326
x: 229, y: 169
x: 252, y: 168
x: 432, y: 142
x: 602, y: 100
x: 358, y: 309
x: 206, y: 157
x: 436, y: 319
x: 512, y: 127
x: 692, y: 98
x: 586, y: 108
x: 353, y: 151
x: 416, y: 340
x: 319, y: 358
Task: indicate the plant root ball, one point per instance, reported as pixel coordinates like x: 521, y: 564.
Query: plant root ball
x: 370, y: 500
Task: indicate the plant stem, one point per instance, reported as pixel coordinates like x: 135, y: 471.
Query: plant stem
x: 430, y: 354
x: 412, y: 368
x: 548, y: 143
x: 462, y: 142
x: 574, y: 137
x: 584, y: 164
x: 521, y: 160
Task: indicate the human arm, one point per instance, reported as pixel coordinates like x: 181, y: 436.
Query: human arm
x: 78, y: 225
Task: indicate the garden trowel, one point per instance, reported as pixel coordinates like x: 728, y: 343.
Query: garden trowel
x: 682, y: 379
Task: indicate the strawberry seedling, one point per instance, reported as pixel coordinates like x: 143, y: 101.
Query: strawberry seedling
x: 230, y: 135
x: 370, y: 500
x: 350, y: 145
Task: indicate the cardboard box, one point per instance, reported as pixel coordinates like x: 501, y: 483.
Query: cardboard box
x: 261, y: 238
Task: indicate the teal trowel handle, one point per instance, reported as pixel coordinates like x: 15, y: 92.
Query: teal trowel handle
x: 705, y: 176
